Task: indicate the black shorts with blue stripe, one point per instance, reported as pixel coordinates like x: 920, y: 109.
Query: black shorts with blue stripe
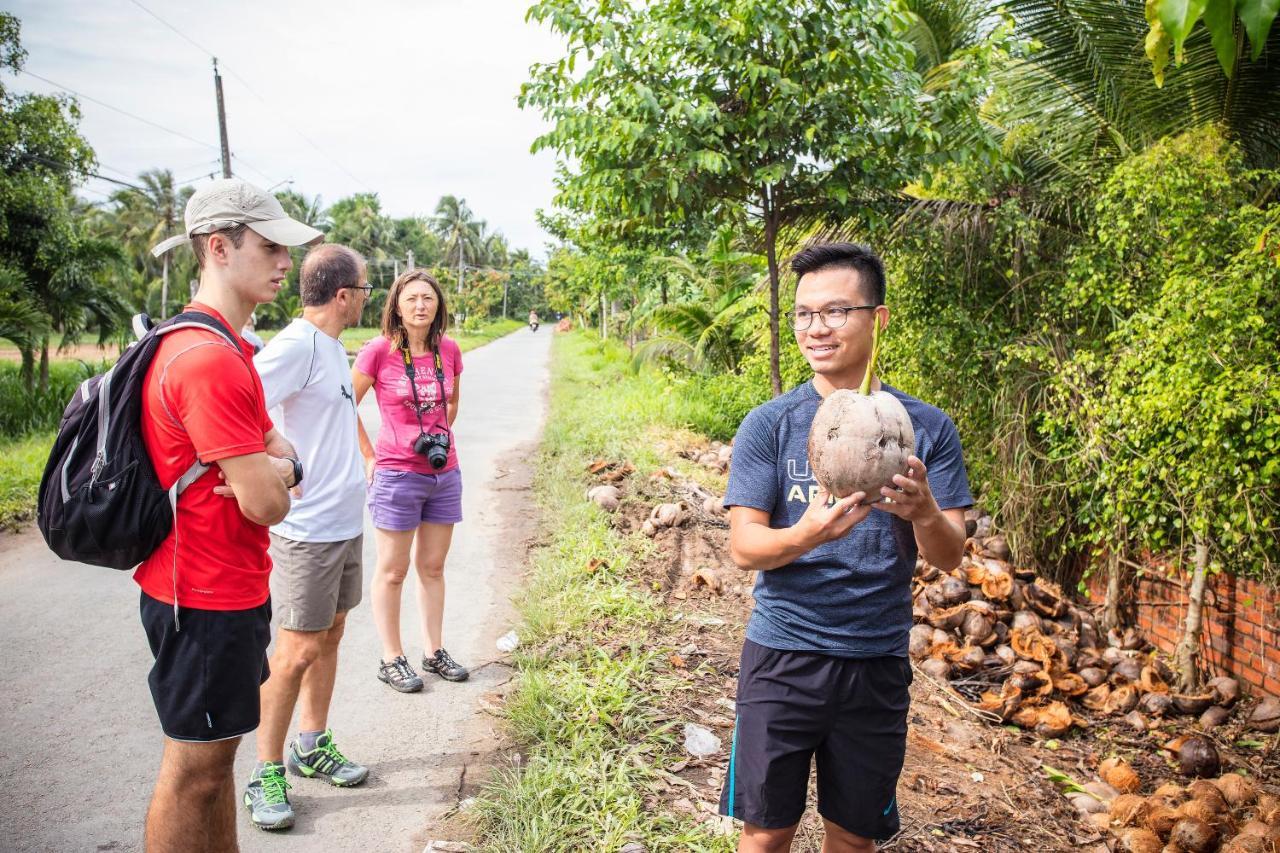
x: 850, y: 714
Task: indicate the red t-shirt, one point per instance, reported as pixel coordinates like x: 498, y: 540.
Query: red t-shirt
x: 203, y: 398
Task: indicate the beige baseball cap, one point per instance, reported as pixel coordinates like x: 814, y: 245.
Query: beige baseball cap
x: 229, y: 202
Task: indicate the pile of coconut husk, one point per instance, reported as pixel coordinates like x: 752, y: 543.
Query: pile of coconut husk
x: 1014, y: 644
x: 1227, y: 812
x: 716, y: 457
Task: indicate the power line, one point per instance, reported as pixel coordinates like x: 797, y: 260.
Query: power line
x: 58, y: 164
x: 118, y: 110
x: 254, y: 92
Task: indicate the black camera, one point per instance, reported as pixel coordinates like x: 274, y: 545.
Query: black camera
x: 434, y: 446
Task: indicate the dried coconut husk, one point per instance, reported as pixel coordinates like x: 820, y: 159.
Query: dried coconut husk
x: 1156, y: 704
x: 1017, y: 601
x: 1054, y: 720
x: 1151, y: 682
x: 1091, y: 658
x: 669, y: 514
x: 1268, y: 809
x: 1036, y: 685
x: 1004, y: 703
x: 1030, y: 644
x: 1255, y: 828
x: 997, y: 548
x: 946, y: 618
x: 1096, y: 698
x: 1203, y: 812
x: 974, y: 573
x: 1226, y: 690
x: 1133, y: 641
x: 967, y: 658
x: 1193, y: 836
x: 948, y: 591
x: 1001, y: 631
x: 1070, y: 684
x: 1161, y: 819
x: 1265, y: 717
x: 1171, y: 793
x: 1122, y: 700
x: 1027, y: 716
x: 1238, y: 791
x: 997, y: 586
x: 1006, y: 654
x: 1129, y: 810
x: 1117, y: 773
x: 1140, y: 840
x: 605, y: 497
x: 1214, y: 717
x: 1045, y: 597
x: 1192, y: 704
x: 1025, y: 620
x: 1092, y: 676
x: 1248, y: 844
x: 1207, y: 791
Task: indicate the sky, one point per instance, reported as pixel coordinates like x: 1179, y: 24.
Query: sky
x: 411, y: 99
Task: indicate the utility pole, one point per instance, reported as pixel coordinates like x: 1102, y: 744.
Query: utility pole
x: 409, y: 262
x: 222, y: 121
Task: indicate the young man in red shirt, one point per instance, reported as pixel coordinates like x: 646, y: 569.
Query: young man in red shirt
x: 205, y: 597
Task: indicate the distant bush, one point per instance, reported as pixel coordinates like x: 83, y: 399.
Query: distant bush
x: 23, y: 411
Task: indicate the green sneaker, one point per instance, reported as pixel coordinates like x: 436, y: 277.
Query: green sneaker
x: 325, y: 762
x: 267, y: 799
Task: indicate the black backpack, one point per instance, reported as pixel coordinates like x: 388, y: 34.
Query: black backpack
x: 100, y: 501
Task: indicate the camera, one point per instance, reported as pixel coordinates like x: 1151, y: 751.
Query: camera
x: 434, y: 446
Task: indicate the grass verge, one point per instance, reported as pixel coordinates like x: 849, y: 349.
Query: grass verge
x: 355, y: 338
x: 586, y: 709
x: 22, y: 462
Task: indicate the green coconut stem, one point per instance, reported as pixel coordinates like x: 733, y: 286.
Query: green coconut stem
x: 875, y: 355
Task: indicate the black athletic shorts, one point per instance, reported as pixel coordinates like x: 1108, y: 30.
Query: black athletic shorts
x: 851, y: 713
x: 208, y: 669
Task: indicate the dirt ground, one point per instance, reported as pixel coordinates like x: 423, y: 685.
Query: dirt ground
x: 967, y: 783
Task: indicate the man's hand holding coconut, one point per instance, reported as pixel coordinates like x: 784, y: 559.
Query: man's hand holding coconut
x: 836, y: 488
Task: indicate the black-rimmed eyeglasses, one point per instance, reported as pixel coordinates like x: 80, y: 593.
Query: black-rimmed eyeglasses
x: 367, y: 288
x: 832, y: 318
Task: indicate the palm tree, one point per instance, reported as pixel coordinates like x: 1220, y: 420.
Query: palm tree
x: 462, y: 233
x: 149, y: 215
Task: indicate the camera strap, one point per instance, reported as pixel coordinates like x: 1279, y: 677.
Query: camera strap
x: 413, y: 386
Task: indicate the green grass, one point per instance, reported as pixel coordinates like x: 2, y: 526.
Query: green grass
x: 22, y: 462
x: 586, y: 708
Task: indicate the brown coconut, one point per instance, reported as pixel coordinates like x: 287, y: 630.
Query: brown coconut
x: 1247, y: 844
x: 605, y: 497
x: 1197, y: 756
x: 1161, y: 819
x: 1214, y: 717
x: 1156, y: 704
x: 1136, y: 720
x: 1192, y: 703
x: 1236, y: 790
x: 1193, y: 836
x: 859, y: 442
x: 1226, y: 690
x: 936, y: 668
x: 920, y: 641
x: 1171, y: 793
x: 1139, y: 840
x: 1129, y: 810
x: 1207, y: 791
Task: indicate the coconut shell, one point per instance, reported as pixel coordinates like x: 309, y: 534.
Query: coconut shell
x: 1140, y: 840
x: 1006, y: 654
x: 1054, y: 720
x: 1207, y: 791
x: 1236, y: 790
x: 1248, y: 844
x: 713, y: 507
x: 1086, y: 804
x: 1255, y: 827
x: 1045, y: 598
x: 936, y: 668
x: 921, y: 640
x: 1171, y: 793
x: 1126, y: 669
x: 1156, y: 704
x: 1192, y: 703
x: 1199, y: 757
x: 1136, y: 721
x: 1151, y: 682
x: 668, y: 515
x: 605, y: 497
x: 1101, y: 790
x: 1265, y: 717
x: 1024, y: 620
x: 997, y: 548
x: 1226, y: 690
x: 1117, y: 773
x: 1122, y: 700
x: 1096, y: 699
x: 858, y: 442
x: 648, y: 528
x: 1193, y: 836
x: 1092, y: 676
x: 1214, y: 717
x: 948, y: 591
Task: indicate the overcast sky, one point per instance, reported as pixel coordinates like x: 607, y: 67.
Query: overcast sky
x: 411, y: 99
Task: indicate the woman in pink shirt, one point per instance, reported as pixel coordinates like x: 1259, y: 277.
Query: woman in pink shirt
x: 415, y: 487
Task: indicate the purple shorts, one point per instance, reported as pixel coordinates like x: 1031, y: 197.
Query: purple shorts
x: 401, y: 500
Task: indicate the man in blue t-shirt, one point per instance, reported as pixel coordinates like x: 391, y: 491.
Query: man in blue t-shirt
x: 824, y: 671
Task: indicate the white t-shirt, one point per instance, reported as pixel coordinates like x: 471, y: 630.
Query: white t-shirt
x: 307, y: 380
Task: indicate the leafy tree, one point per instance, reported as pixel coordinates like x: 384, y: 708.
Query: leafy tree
x: 786, y: 110
x: 1227, y: 21
x: 144, y: 217
x: 461, y: 234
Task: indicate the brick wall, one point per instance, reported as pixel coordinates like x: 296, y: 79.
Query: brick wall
x: 1241, y: 634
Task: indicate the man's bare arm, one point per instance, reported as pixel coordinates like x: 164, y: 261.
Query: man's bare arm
x: 753, y: 544
x: 259, y: 488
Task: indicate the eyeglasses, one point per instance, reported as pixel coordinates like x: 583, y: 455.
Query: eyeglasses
x: 367, y: 288
x: 832, y: 318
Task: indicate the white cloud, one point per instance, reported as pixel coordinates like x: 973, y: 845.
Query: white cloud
x: 412, y: 99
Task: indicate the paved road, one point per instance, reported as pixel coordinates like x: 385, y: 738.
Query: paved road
x: 79, y: 742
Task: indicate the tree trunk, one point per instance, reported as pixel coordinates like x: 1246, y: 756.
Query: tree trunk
x: 1187, y: 655
x: 164, y: 287
x: 1111, y: 619
x: 28, y: 372
x: 604, y: 329
x: 770, y: 251
x: 44, y: 366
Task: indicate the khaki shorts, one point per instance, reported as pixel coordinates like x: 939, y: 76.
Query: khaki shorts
x: 312, y: 581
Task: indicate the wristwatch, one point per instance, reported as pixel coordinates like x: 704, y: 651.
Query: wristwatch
x: 297, y: 470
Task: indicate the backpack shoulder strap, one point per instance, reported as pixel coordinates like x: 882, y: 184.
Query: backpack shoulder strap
x: 197, y: 320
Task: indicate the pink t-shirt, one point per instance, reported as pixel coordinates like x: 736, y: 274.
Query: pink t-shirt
x: 394, y: 449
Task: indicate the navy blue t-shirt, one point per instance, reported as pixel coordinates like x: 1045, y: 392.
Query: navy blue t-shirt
x: 850, y: 597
